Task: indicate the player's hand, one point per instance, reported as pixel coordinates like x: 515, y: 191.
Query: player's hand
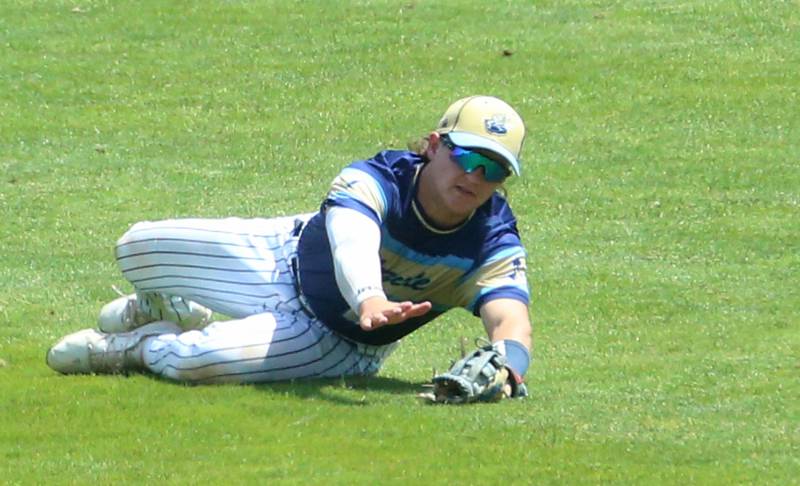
x: 377, y: 312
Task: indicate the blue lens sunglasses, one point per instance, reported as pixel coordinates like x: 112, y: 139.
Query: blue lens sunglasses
x: 469, y: 160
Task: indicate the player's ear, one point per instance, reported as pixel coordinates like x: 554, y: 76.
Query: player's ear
x: 434, y: 139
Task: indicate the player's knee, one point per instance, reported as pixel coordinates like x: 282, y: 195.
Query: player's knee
x: 142, y: 237
x: 128, y: 236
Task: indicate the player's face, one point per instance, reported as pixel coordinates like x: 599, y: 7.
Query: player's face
x: 453, y: 192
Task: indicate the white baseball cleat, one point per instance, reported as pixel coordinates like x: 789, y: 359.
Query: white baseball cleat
x: 91, y: 351
x: 131, y: 311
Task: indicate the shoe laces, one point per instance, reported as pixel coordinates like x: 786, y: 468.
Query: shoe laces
x: 108, y: 359
x: 129, y: 313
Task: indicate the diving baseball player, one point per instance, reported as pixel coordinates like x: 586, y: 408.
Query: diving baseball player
x: 399, y: 239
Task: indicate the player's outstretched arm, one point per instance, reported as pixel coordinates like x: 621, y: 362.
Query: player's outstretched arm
x: 509, y: 329
x: 507, y: 319
x: 377, y: 311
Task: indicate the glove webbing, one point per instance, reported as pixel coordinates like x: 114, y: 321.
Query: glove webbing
x: 478, y: 366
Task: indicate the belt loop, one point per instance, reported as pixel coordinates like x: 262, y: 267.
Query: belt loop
x: 298, y: 227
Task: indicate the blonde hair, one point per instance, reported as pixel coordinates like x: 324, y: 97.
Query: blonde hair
x: 420, y: 146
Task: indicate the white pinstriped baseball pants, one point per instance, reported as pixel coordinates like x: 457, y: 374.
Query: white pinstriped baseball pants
x: 240, y: 268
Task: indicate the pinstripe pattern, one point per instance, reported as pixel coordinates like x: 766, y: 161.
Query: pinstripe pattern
x: 240, y: 268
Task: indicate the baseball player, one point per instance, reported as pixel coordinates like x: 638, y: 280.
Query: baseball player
x: 399, y: 239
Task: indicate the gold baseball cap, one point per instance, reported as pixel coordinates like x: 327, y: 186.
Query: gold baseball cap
x: 487, y: 123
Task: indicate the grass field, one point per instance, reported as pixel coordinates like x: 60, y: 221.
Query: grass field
x: 659, y: 205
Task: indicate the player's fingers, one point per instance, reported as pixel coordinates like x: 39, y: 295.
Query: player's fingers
x: 409, y: 311
x: 405, y: 306
x: 381, y: 318
x: 394, y: 311
x: 366, y: 323
x: 370, y: 323
x: 419, y: 309
x: 377, y: 320
x: 394, y: 314
x: 409, y: 306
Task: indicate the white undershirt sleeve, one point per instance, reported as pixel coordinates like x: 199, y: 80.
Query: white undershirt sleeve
x: 355, y: 241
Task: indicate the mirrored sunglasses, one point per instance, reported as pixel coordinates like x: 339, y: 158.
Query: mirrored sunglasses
x: 469, y: 161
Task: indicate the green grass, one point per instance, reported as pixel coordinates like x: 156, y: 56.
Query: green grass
x: 659, y: 206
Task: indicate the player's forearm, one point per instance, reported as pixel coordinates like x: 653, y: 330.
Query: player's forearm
x: 518, y: 331
x: 507, y: 319
x: 508, y: 327
x: 355, y: 242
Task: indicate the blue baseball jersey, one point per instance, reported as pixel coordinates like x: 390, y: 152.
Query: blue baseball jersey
x: 463, y: 267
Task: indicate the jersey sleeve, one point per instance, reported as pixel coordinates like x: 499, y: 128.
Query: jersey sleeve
x: 362, y: 187
x: 502, y: 275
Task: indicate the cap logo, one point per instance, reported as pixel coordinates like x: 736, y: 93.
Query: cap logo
x: 496, y: 124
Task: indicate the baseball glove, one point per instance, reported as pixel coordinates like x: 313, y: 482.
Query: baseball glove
x: 482, y: 376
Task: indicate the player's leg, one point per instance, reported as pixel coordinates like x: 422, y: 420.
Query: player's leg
x: 256, y: 348
x: 259, y: 348
x: 180, y: 268
x: 236, y: 267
